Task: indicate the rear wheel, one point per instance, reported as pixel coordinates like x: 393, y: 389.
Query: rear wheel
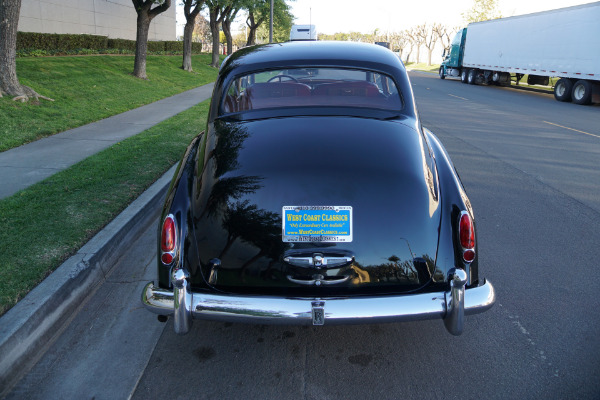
x: 472, y: 77
x: 582, y: 92
x: 562, y: 89
x: 441, y: 72
x: 463, y: 75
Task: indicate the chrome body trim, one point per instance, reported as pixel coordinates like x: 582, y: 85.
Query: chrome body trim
x: 450, y: 306
x: 182, y: 301
x: 318, y: 280
x: 318, y: 260
x: 455, y: 316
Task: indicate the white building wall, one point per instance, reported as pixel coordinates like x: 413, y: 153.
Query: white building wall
x: 112, y: 18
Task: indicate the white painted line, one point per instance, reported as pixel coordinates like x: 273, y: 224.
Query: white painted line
x: 571, y: 129
x: 458, y: 97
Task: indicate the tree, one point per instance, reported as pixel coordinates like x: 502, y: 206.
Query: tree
x: 256, y: 16
x: 227, y: 20
x: 282, y: 22
x: 482, y: 10
x: 217, y: 10
x: 145, y: 15
x: 202, y: 30
x: 191, y: 9
x: 443, y: 33
x: 398, y: 42
x: 240, y: 39
x: 410, y: 42
x: 416, y: 40
x: 429, y: 38
x: 9, y: 83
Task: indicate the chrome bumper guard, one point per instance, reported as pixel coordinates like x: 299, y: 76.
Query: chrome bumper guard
x: 451, y: 306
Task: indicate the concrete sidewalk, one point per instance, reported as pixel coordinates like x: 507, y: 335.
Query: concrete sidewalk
x: 23, y: 166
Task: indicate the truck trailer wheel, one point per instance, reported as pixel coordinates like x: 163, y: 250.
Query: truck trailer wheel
x: 441, y: 72
x: 464, y: 75
x: 471, y: 79
x: 582, y: 92
x: 562, y: 89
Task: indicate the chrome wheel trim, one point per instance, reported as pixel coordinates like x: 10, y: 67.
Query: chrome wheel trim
x: 560, y: 89
x: 579, y: 92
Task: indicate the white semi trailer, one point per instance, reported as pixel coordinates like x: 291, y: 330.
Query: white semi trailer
x: 562, y: 43
x: 303, y: 32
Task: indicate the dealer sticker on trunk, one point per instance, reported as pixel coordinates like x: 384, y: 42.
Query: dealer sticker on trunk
x: 326, y: 224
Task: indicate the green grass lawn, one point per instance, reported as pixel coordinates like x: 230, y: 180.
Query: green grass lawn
x: 89, y: 88
x: 523, y: 82
x: 43, y: 225
x: 423, y: 67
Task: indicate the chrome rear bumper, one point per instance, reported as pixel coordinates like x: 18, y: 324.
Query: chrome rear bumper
x: 451, y: 306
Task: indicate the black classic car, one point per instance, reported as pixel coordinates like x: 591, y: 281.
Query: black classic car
x: 316, y: 197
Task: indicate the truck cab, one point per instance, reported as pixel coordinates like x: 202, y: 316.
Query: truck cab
x: 452, y: 59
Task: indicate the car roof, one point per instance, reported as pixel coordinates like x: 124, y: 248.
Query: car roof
x: 313, y: 53
x: 305, y: 54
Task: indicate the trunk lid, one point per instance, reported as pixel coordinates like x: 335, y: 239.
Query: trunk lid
x: 381, y: 170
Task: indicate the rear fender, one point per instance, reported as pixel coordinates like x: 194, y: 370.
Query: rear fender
x: 178, y: 204
x: 453, y: 200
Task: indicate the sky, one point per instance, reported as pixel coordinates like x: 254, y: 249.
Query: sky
x: 331, y: 16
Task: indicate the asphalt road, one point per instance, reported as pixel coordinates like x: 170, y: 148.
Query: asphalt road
x: 535, y: 188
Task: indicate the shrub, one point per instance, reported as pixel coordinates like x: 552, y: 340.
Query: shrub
x: 156, y: 45
x: 196, y: 47
x: 121, y: 44
x: 55, y: 41
x: 173, y: 46
x: 33, y: 44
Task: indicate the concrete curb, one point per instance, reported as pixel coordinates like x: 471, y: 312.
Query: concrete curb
x: 28, y: 327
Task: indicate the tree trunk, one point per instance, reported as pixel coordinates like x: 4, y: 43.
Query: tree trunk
x: 429, y: 51
x: 145, y: 14
x: 227, y: 32
x: 187, y: 44
x: 141, y: 44
x: 251, y: 37
x: 253, y: 28
x: 9, y: 83
x: 9, y: 17
x: 188, y: 31
x: 252, y: 34
x: 214, y: 28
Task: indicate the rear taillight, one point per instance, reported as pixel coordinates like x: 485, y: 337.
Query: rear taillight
x: 168, y: 240
x: 466, y: 234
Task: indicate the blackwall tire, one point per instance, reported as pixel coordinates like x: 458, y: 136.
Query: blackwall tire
x: 441, y: 72
x: 472, y: 78
x: 582, y: 92
x: 463, y: 75
x: 563, y: 89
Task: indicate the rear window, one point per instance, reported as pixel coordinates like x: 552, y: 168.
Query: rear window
x: 312, y: 87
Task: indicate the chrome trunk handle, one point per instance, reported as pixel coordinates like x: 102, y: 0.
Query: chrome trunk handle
x: 318, y: 260
x: 318, y: 280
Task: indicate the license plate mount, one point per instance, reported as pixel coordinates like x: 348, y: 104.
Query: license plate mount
x: 323, y: 224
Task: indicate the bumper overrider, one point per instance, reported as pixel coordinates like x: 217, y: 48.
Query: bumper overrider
x: 451, y: 306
